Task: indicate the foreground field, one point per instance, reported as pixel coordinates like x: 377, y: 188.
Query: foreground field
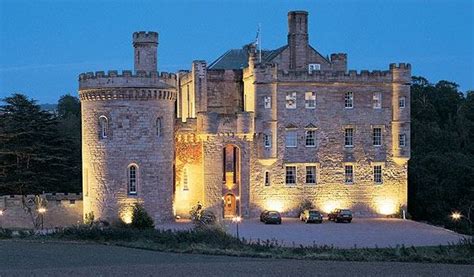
x: 40, y: 258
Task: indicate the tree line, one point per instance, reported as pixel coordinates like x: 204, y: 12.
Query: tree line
x: 40, y: 151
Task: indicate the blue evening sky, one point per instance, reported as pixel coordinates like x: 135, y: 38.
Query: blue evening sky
x: 44, y: 45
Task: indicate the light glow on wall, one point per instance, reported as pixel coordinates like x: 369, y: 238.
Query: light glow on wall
x: 274, y: 205
x: 126, y: 215
x: 330, y: 205
x: 386, y: 206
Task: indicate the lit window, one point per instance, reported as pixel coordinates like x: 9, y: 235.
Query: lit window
x: 267, y: 141
x: 291, y: 100
x: 104, y: 126
x: 310, y: 100
x: 377, y: 136
x: 378, y: 174
x: 402, y: 140
x: 349, y: 137
x: 401, y: 102
x: 290, y: 177
x: 310, y: 138
x: 291, y: 138
x: 349, y: 100
x: 267, y: 178
x: 132, y: 179
x: 310, y: 175
x: 377, y: 100
x: 185, y: 179
x: 313, y: 67
x: 349, y: 174
x: 267, y: 102
x: 158, y: 127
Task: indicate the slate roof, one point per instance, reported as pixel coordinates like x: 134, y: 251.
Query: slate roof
x: 238, y: 58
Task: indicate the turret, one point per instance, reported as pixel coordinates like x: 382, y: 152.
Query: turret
x: 298, y: 38
x: 145, y: 44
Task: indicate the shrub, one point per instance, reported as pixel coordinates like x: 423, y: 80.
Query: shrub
x: 5, y: 233
x: 202, y: 218
x: 89, y: 218
x: 141, y: 219
x: 305, y: 204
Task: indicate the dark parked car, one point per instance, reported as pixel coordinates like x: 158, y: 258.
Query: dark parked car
x: 263, y: 214
x: 340, y: 215
x: 311, y: 216
x: 272, y: 217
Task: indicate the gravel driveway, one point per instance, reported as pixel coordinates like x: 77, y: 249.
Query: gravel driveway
x: 362, y: 232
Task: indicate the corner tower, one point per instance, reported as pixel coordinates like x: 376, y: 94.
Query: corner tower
x: 128, y: 137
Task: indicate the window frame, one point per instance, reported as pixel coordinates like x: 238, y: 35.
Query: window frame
x: 103, y: 127
x: 159, y: 126
x: 404, y: 144
x: 314, y: 175
x: 267, y: 140
x: 266, y: 178
x: 348, y: 138
x: 135, y: 179
x: 402, y: 99
x: 314, y: 67
x: 290, y: 96
x: 267, y: 102
x: 346, y: 174
x: 377, y: 101
x: 378, y: 172
x: 310, y: 98
x: 185, y: 179
x: 376, y: 138
x: 294, y: 176
x: 348, y: 100
x: 291, y: 131
x: 306, y: 133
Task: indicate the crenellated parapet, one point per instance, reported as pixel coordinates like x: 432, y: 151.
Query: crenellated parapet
x: 401, y: 73
x: 127, y: 94
x: 126, y: 78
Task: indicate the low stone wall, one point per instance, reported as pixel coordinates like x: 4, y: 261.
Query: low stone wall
x: 62, y: 209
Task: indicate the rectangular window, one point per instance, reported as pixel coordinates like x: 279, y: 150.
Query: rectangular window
x: 310, y: 138
x: 267, y: 102
x: 377, y: 100
x: 291, y: 100
x: 349, y: 100
x: 185, y: 179
x: 378, y: 174
x: 267, y: 141
x: 313, y: 67
x: 348, y: 174
x: 291, y: 138
x: 267, y: 178
x: 402, y: 140
x: 377, y: 136
x: 311, y: 175
x: 310, y: 100
x: 290, y: 177
x: 348, y: 137
x: 401, y: 102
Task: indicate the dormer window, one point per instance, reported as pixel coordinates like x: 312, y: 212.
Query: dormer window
x: 313, y: 67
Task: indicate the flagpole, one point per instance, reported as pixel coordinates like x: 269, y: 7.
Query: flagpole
x: 259, y: 44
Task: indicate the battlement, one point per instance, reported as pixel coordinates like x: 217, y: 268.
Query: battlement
x: 336, y: 76
x: 400, y: 66
x: 338, y: 56
x: 126, y: 78
x: 145, y: 37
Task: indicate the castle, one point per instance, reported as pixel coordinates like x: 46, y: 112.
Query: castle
x: 253, y: 130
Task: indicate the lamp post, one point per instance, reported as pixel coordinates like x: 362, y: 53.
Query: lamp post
x: 41, y: 211
x: 237, y: 220
x: 456, y: 216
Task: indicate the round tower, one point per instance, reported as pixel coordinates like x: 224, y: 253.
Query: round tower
x: 128, y: 139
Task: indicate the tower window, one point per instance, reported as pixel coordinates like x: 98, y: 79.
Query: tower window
x: 290, y: 176
x: 401, y: 102
x: 103, y: 126
x: 267, y: 141
x: 132, y: 179
x: 402, y: 140
x: 349, y: 137
x: 348, y: 174
x: 291, y: 100
x: 267, y: 102
x: 310, y: 138
x: 185, y: 179
x: 378, y: 174
x: 310, y: 100
x: 311, y: 175
x: 349, y: 100
x: 158, y: 127
x: 291, y: 138
x: 267, y: 178
x: 377, y: 136
x: 377, y: 100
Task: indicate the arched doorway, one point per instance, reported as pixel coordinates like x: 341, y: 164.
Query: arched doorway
x: 230, y: 205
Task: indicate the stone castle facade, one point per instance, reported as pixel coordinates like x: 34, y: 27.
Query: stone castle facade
x: 250, y: 131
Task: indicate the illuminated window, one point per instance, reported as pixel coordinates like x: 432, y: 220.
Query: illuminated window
x: 310, y: 138
x: 349, y: 137
x: 132, y: 179
x: 313, y: 67
x: 267, y: 178
x: 311, y: 175
x: 291, y: 100
x: 185, y: 179
x: 402, y: 140
x: 103, y: 126
x: 267, y: 141
x: 310, y: 100
x: 348, y: 174
x: 267, y: 102
x: 401, y: 102
x: 377, y: 136
x: 377, y: 100
x: 378, y: 174
x: 290, y: 177
x: 349, y: 100
x: 158, y: 127
x: 291, y: 138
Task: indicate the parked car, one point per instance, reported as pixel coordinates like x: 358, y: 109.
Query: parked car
x: 340, y: 215
x: 263, y: 214
x: 272, y: 217
x: 311, y: 216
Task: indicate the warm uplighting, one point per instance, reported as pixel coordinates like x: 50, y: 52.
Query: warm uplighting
x: 1, y: 212
x: 274, y: 205
x: 126, y: 215
x: 237, y: 198
x: 386, y: 206
x: 41, y: 210
x: 456, y: 216
x: 236, y: 219
x: 330, y: 205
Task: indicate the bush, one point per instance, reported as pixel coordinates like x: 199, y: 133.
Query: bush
x: 202, y: 218
x: 141, y: 219
x: 89, y: 218
x: 305, y: 204
x: 5, y: 233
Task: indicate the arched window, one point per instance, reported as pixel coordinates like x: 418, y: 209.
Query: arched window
x: 158, y: 127
x: 132, y: 179
x: 103, y: 126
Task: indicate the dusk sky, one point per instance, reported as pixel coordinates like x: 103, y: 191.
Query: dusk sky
x: 45, y: 45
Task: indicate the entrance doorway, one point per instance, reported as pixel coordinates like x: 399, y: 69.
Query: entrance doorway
x: 230, y: 205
